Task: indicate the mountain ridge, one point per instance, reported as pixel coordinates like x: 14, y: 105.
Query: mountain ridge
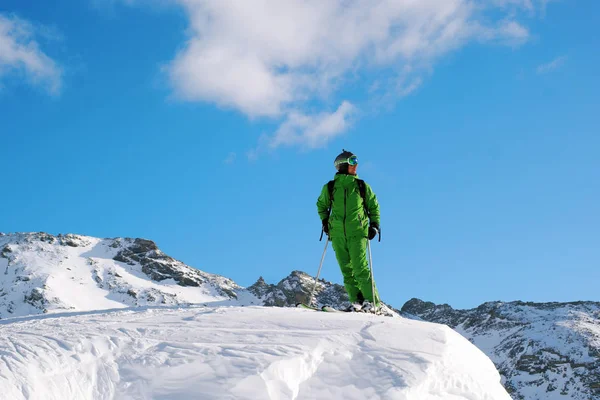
x: 42, y: 273
x: 543, y: 351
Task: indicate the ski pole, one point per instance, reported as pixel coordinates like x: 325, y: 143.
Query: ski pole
x: 318, y: 272
x: 372, y: 279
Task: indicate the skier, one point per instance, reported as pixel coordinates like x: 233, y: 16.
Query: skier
x: 349, y: 213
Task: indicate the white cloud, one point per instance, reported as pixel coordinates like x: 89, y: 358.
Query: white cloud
x: 20, y: 54
x: 532, y: 6
x: 512, y: 32
x: 313, y: 130
x: 552, y: 65
x: 526, y: 4
x: 277, y: 59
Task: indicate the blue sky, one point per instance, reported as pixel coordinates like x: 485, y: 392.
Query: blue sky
x: 210, y: 128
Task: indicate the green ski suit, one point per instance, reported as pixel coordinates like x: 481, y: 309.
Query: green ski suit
x: 348, y: 231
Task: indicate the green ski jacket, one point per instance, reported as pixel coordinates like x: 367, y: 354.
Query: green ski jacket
x: 348, y: 217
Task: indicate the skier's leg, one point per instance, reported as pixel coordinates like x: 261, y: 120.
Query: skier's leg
x: 357, y: 247
x: 359, y: 297
x: 340, y: 246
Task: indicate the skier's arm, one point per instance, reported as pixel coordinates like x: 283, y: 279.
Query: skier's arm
x: 372, y: 205
x: 323, y: 203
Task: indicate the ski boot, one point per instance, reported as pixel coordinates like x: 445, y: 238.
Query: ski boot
x: 354, y: 307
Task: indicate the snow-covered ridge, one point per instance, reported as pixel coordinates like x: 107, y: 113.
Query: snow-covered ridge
x: 543, y: 350
x: 242, y: 353
x: 90, y: 318
x: 42, y: 273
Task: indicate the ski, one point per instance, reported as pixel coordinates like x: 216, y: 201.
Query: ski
x: 380, y: 312
x: 324, y: 308
x: 330, y: 309
x: 300, y: 305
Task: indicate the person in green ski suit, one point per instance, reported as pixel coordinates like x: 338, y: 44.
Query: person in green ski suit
x: 349, y: 222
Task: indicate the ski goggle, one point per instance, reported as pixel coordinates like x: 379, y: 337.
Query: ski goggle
x: 353, y: 160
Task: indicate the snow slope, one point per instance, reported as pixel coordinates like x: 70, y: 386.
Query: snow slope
x: 544, y: 351
x: 41, y: 273
x: 238, y: 353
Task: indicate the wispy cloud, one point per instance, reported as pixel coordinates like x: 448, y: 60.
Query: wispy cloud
x: 532, y: 6
x: 313, y: 130
x: 287, y: 60
x: 552, y: 65
x: 20, y: 54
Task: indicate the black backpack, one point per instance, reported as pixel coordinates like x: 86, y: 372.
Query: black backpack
x: 362, y: 190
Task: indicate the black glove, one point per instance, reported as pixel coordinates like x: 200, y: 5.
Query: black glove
x: 326, y: 225
x: 373, y: 231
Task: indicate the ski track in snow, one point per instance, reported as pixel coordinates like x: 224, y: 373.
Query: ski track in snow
x: 238, y: 353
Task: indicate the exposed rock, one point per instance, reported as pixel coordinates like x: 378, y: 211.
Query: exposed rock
x: 146, y: 277
x: 157, y: 265
x: 260, y: 288
x: 36, y: 298
x: 296, y: 288
x: 548, y: 346
x: 141, y: 246
x: 5, y: 251
x: 45, y: 237
x: 72, y: 240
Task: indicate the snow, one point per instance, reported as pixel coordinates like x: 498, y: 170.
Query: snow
x: 86, y: 318
x: 253, y: 353
x: 540, y: 354
x: 86, y: 277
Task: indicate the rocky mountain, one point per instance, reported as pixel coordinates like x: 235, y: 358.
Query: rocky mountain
x: 542, y: 350
x: 296, y: 288
x: 42, y: 273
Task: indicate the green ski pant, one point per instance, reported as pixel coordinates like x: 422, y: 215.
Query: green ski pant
x: 351, y: 254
